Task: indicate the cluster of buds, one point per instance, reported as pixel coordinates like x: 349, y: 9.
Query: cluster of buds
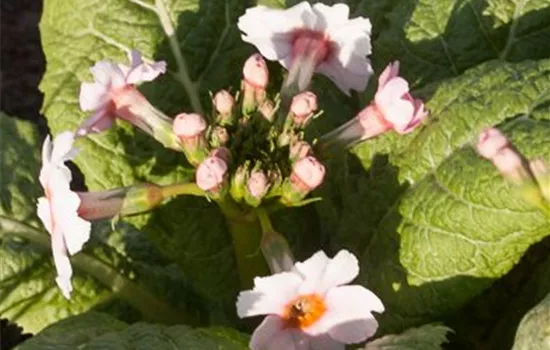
x: 532, y: 176
x: 244, y: 153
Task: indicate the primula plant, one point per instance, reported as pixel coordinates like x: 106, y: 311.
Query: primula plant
x: 362, y: 175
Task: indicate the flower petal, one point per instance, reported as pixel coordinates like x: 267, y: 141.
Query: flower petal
x: 289, y: 339
x: 43, y: 210
x: 62, y: 264
x: 93, y: 96
x: 99, y: 121
x: 141, y: 72
x: 349, y: 316
x: 325, y: 342
x: 76, y: 231
x: 63, y: 148
x: 329, y: 17
x: 341, y: 269
x: 390, y: 72
x: 261, y: 338
x: 354, y: 76
x: 394, y: 89
x: 108, y: 74
x: 311, y: 271
x: 269, y: 296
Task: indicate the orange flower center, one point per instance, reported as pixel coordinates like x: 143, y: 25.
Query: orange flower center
x: 304, y: 311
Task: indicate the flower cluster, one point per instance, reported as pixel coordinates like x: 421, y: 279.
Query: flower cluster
x: 251, y: 155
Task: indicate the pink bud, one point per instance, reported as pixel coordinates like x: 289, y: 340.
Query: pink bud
x: 255, y: 71
x: 188, y: 125
x: 303, y: 105
x: 539, y: 168
x: 222, y: 153
x: 211, y: 173
x: 257, y: 184
x: 510, y: 164
x: 299, y: 150
x: 490, y: 141
x: 223, y: 101
x: 307, y: 174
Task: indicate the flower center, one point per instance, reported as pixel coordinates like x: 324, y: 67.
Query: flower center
x: 304, y: 311
x: 309, y: 43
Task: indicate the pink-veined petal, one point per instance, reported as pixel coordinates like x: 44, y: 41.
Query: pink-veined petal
x: 269, y: 296
x: 390, y: 72
x: 393, y: 90
x: 93, y: 96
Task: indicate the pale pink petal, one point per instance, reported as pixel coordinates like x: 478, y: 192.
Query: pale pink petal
x: 393, y: 90
x: 341, y: 269
x: 76, y: 231
x: 354, y: 76
x: 325, y: 342
x: 261, y: 338
x: 44, y: 213
x: 490, y: 141
x: 352, y: 39
x: 47, y: 147
x: 145, y: 72
x: 329, y: 17
x: 93, y: 96
x: 348, y: 318
x: 269, y: 296
x: 312, y: 271
x: 288, y: 339
x: 391, y: 71
x: 62, y: 264
x: 108, y: 74
x: 63, y: 148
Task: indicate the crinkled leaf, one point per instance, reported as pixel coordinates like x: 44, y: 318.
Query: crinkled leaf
x: 440, y: 39
x: 428, y: 337
x: 102, y: 273
x: 437, y: 222
x: 94, y: 330
x: 534, y: 329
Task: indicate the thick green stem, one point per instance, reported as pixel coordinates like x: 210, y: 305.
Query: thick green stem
x: 182, y: 189
x: 246, y: 234
x: 152, y: 309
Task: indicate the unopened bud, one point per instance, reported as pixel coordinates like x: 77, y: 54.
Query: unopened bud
x: 224, y: 102
x: 510, y: 165
x: 491, y: 141
x: 299, y: 150
x: 307, y: 174
x: 542, y: 174
x: 211, y: 175
x: 302, y: 107
x: 255, y: 79
x: 219, y: 137
x: 238, y: 182
x: 256, y: 188
x: 190, y: 129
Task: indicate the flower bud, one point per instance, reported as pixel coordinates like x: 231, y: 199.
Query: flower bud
x: 542, y: 174
x: 255, y: 79
x: 490, y: 141
x: 256, y: 188
x: 238, y: 182
x: 302, y: 108
x: 307, y: 174
x: 219, y: 137
x: 223, y: 102
x: 299, y: 150
x: 190, y: 129
x: 211, y: 175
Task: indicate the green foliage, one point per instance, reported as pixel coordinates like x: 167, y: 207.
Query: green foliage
x: 534, y: 329
x: 428, y: 337
x: 93, y: 330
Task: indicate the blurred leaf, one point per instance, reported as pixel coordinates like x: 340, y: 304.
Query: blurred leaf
x: 428, y: 337
x: 534, y: 329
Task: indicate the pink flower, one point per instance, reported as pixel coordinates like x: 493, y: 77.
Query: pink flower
x: 310, y: 38
x: 307, y: 174
x: 395, y: 104
x: 58, y: 209
x: 491, y: 141
x: 310, y: 307
x: 113, y: 93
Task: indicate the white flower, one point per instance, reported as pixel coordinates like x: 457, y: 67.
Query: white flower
x: 337, y: 45
x: 110, y: 88
x: 58, y: 209
x: 309, y: 307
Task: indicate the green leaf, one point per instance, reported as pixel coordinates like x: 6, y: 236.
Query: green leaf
x: 190, y: 231
x: 441, y: 39
x: 433, y: 222
x: 428, y: 337
x: 534, y: 329
x: 94, y: 330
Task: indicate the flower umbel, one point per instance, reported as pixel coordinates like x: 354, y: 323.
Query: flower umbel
x: 306, y: 38
x: 310, y: 307
x: 58, y: 209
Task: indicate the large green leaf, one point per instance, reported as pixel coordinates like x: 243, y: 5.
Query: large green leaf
x: 440, y: 39
x: 534, y: 329
x: 104, y: 272
x: 433, y: 222
x: 428, y: 337
x: 95, y: 330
